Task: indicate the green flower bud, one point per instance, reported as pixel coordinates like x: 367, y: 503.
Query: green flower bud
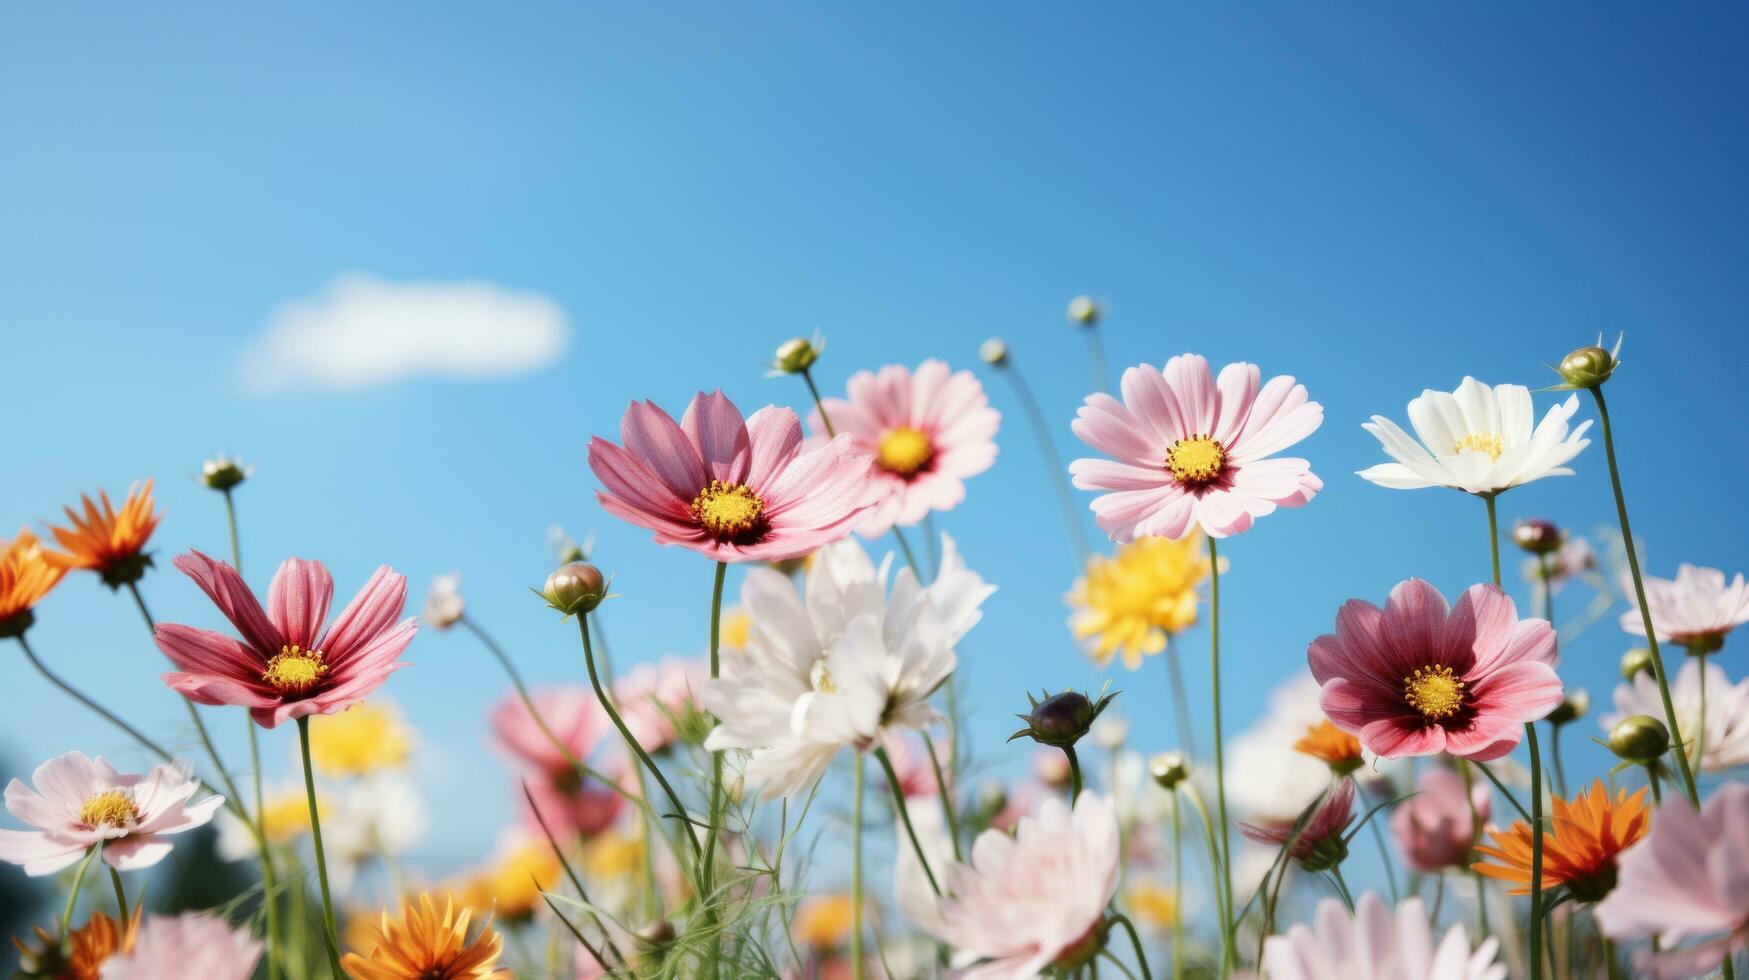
x: 994, y: 351
x: 1061, y: 719
x: 1572, y: 708
x: 1589, y: 367
x: 1169, y: 769
x: 796, y: 355
x: 1082, y: 952
x: 1640, y: 739
x: 223, y: 473
x: 575, y: 588
x: 1084, y: 311
x: 1636, y: 661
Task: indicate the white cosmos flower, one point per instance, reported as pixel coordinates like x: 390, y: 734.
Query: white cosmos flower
x: 1725, y: 744
x: 1268, y: 779
x: 839, y: 665
x: 1696, y: 608
x: 1476, y: 439
x: 443, y: 601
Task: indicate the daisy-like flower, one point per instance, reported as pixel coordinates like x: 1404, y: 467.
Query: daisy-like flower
x: 109, y: 542
x: 1579, y: 850
x: 1035, y: 899
x: 78, y: 802
x: 1435, y: 827
x: 424, y: 942
x: 731, y: 489
x: 928, y: 431
x: 1190, y: 450
x: 655, y: 701
x: 443, y: 602
x: 1130, y: 603
x: 287, y: 665
x: 84, y: 953
x: 361, y: 740
x: 840, y: 667
x: 1684, y: 882
x: 26, y: 575
x: 171, y: 947
x: 1417, y: 678
x: 1724, y: 744
x: 1476, y: 439
x: 1320, y: 843
x: 1696, y: 609
x: 1374, y: 943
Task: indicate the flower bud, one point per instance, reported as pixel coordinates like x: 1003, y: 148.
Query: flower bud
x: 1636, y: 661
x: 994, y: 351
x: 788, y: 567
x: 575, y: 588
x: 223, y: 473
x: 1640, y: 739
x: 1702, y: 644
x: 1572, y: 708
x: 1325, y: 854
x: 1589, y: 367
x: 1061, y: 719
x: 1084, y: 311
x: 656, y: 937
x: 1537, y: 536
x: 795, y: 356
x: 1169, y: 769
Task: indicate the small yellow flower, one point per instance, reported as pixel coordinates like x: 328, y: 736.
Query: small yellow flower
x: 824, y: 921
x: 1131, y: 602
x: 285, y: 817
x: 736, y: 627
x: 613, y: 855
x: 361, y: 740
x: 423, y: 942
x: 1152, y: 904
x: 511, y: 888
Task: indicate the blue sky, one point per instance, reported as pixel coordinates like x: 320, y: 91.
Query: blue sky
x: 1375, y: 198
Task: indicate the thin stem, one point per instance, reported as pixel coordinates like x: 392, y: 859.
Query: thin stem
x: 1475, y: 838
x: 1342, y: 887
x: 1555, y: 759
x: 1652, y: 779
x: 904, y: 815
x: 236, y: 543
x: 710, y: 847
x: 121, y: 897
x: 1228, y: 927
x: 1208, y: 826
x: 1180, y: 701
x: 1177, y: 891
x: 1627, y: 535
x: 1700, y: 723
x: 1610, y: 964
x: 332, y: 934
x: 949, y: 805
x: 856, y: 965
x: 1074, y: 774
x: 1378, y: 836
x: 1047, y: 448
x: 73, y: 693
x: 825, y: 420
x: 905, y: 549
x: 1135, y: 943
x: 1536, y: 851
x: 1503, y: 790
x: 78, y: 880
x: 1117, y: 963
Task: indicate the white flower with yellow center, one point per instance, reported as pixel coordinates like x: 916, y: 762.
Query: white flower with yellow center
x: 838, y: 665
x: 1476, y: 439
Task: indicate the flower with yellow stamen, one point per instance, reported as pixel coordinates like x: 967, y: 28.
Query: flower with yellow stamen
x: 108, y: 541
x: 1131, y: 602
x: 424, y: 943
x: 25, y: 577
x: 363, y: 739
x: 1580, y: 850
x: 824, y: 921
x: 1339, y: 750
x: 1153, y: 905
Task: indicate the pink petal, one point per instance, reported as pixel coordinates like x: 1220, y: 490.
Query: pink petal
x: 651, y: 435
x: 206, y: 652
x: 716, y: 428
x: 1524, y: 691
x: 1396, y: 738
x: 227, y: 590
x: 371, y: 612
x: 1187, y: 375
x: 297, y: 600
x: 134, y: 853
x: 1107, y: 425
x: 39, y: 854
x: 1477, y: 629
x: 1238, y: 386
x: 214, y: 689
x: 773, y: 437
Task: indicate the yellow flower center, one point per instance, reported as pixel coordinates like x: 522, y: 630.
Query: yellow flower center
x: 1433, y: 691
x: 294, y: 670
x: 727, y: 510
x: 820, y: 678
x: 905, y: 451
x: 112, y: 808
x: 1482, y: 442
x: 1197, y: 460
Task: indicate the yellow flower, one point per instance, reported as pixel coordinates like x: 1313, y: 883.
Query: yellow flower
x: 360, y: 740
x: 1131, y: 602
x: 286, y: 816
x: 736, y: 627
x: 1152, y: 904
x: 511, y: 888
x: 824, y: 921
x: 25, y: 577
x: 425, y: 943
x: 613, y: 855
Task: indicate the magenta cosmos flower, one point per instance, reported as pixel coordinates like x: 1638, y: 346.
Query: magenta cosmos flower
x: 928, y: 431
x: 1320, y: 844
x: 730, y: 489
x: 78, y: 802
x: 1436, y: 828
x: 1417, y: 678
x: 1191, y: 450
x: 193, y: 944
x: 563, y: 798
x: 287, y: 665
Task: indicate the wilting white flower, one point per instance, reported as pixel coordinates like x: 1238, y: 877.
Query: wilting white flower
x: 443, y: 602
x: 1697, y: 608
x: 1476, y: 439
x: 377, y: 817
x: 1725, y: 741
x: 1374, y: 943
x: 840, y: 665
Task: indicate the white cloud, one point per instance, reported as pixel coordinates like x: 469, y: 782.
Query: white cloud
x: 362, y: 331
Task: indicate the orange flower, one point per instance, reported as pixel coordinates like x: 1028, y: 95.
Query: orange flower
x: 1339, y: 750
x: 84, y: 953
x: 425, y: 943
x: 1579, y: 851
x: 109, y: 542
x: 25, y: 577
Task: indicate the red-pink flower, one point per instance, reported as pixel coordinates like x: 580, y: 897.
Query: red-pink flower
x: 652, y: 697
x: 287, y: 665
x: 928, y: 431
x: 1320, y: 840
x: 730, y: 489
x: 565, y: 800
x: 1436, y: 827
x: 1417, y: 678
x: 1191, y: 450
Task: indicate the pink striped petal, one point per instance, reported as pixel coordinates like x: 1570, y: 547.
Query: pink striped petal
x: 297, y: 601
x: 228, y: 591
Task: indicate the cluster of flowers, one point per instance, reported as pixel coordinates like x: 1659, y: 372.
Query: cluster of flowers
x: 646, y: 845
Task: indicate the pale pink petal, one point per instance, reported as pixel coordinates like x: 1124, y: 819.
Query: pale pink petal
x: 716, y: 428
x: 651, y: 435
x: 372, y: 611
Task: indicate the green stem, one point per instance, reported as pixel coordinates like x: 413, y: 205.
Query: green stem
x: 78, y: 881
x: 949, y: 805
x: 1475, y: 838
x: 1177, y: 891
x: 904, y: 815
x: 808, y: 378
x: 101, y: 711
x: 1135, y: 943
x: 121, y: 898
x: 1493, y: 535
x: 1221, y: 908
x: 1536, y: 852
x: 1041, y: 433
x: 856, y: 958
x: 1342, y: 887
x: 1652, y: 780
x: 1228, y: 927
x: 710, y: 847
x: 1378, y: 836
x: 1180, y: 701
x: 1700, y: 724
x: 1627, y: 534
x: 331, y: 934
x: 910, y: 557
x: 236, y: 543
x: 1610, y: 964
x: 1074, y: 774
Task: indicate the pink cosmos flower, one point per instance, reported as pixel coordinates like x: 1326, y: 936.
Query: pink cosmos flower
x: 1320, y: 841
x: 651, y: 697
x: 1436, y: 827
x: 729, y: 489
x: 567, y: 801
x: 1374, y: 943
x: 1683, y: 881
x: 1696, y: 609
x: 78, y: 802
x: 286, y: 665
x: 928, y: 431
x: 1034, y: 899
x: 193, y: 944
x: 1417, y: 678
x: 569, y: 805
x: 1191, y: 450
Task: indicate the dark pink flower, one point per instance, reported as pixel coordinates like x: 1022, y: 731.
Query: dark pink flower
x: 287, y: 665
x: 1436, y: 827
x: 730, y: 489
x: 1419, y: 678
x: 1320, y: 841
x: 564, y: 798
